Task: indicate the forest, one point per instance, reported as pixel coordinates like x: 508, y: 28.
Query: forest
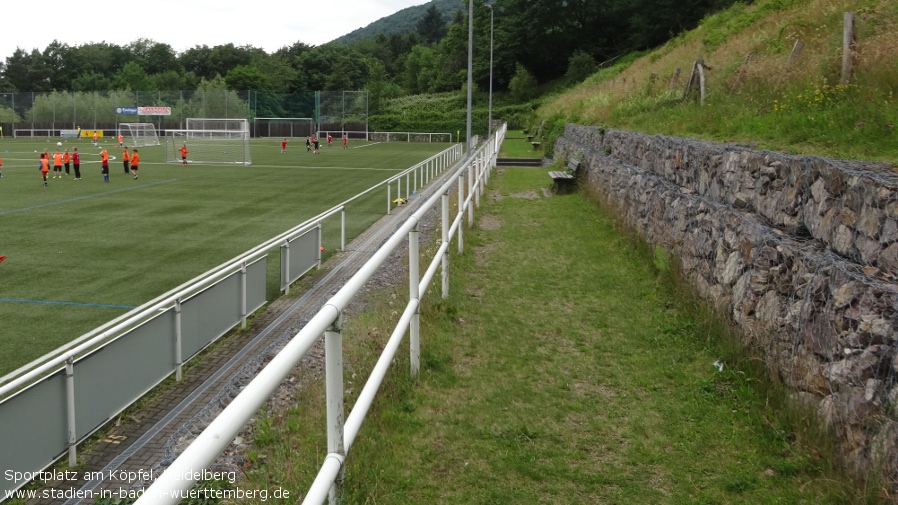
x: 537, y: 43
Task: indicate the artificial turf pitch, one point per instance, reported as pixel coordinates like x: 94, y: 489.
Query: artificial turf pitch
x: 80, y: 253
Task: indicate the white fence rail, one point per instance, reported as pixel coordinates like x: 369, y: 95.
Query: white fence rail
x: 340, y: 436
x: 76, y: 389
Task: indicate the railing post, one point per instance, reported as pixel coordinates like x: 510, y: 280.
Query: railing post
x: 179, y: 358
x: 319, y: 246
x: 413, y: 279
x: 286, y: 267
x: 343, y: 229
x: 461, y: 213
x: 471, y: 192
x: 389, y: 203
x: 70, y: 410
x: 478, y: 169
x: 445, y: 276
x: 333, y: 357
x: 243, y: 295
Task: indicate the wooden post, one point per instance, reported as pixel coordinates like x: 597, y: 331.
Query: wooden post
x: 701, y: 79
x: 675, y: 78
x: 847, y: 46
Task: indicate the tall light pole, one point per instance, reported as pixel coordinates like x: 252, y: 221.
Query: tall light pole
x: 489, y: 126
x: 470, y: 65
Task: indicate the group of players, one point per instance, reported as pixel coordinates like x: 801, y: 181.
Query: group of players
x: 130, y: 161
x: 314, y: 142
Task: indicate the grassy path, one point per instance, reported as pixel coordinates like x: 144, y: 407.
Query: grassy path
x: 561, y: 370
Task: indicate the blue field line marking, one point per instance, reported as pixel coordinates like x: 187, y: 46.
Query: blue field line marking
x: 77, y: 304
x: 60, y: 202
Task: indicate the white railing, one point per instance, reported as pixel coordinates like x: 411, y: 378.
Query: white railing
x: 225, y: 427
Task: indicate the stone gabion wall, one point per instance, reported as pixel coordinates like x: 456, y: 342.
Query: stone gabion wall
x: 801, y: 253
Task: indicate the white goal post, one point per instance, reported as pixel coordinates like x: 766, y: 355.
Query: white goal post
x: 283, y: 127
x: 139, y: 134
x: 209, y: 147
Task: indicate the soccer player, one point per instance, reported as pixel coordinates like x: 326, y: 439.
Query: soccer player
x: 283, y: 146
x: 96, y: 138
x: 308, y: 144
x: 44, y: 167
x: 126, y: 159
x: 104, y: 165
x: 345, y: 140
x: 57, y: 164
x: 121, y: 139
x: 135, y: 160
x: 78, y: 133
x: 76, y: 164
x: 65, y: 160
x: 1, y: 168
x: 330, y: 140
x: 183, y: 150
x: 316, y: 143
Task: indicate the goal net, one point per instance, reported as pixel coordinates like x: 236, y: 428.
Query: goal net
x: 139, y: 134
x: 284, y: 127
x: 205, y: 123
x: 210, y: 147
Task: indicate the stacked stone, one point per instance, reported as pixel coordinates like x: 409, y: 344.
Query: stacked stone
x: 850, y: 206
x: 741, y: 223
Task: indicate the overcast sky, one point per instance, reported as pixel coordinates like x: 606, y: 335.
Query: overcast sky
x: 182, y: 24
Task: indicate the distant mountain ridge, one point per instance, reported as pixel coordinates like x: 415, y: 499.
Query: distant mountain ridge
x: 402, y: 22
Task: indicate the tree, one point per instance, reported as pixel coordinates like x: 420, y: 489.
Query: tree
x: 432, y: 27
x: 523, y: 86
x: 133, y: 77
x: 579, y: 67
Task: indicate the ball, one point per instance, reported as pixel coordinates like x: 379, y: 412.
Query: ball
x: 59, y: 144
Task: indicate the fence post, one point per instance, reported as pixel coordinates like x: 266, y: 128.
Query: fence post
x: 179, y: 358
x: 285, y: 265
x: 414, y: 278
x: 343, y: 229
x: 445, y: 276
x: 389, y: 194
x: 243, y: 295
x: 461, y: 210
x: 70, y: 410
x: 333, y: 357
x: 471, y: 191
x: 847, y: 46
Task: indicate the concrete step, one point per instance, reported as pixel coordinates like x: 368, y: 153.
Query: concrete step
x: 519, y: 162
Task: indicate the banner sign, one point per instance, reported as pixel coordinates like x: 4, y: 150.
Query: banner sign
x: 68, y: 133
x: 126, y: 110
x: 154, y: 111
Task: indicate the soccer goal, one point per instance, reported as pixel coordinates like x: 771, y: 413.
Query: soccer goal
x: 208, y: 147
x: 139, y: 134
x: 284, y: 127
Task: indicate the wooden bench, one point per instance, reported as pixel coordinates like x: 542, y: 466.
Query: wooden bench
x: 564, y: 181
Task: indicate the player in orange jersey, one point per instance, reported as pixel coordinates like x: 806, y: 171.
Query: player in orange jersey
x: 44, y: 167
x: 104, y: 165
x: 126, y: 160
x: 183, y: 150
x: 66, y: 159
x: 135, y: 161
x: 57, y: 164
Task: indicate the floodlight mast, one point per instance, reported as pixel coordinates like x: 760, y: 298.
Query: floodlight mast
x: 470, y: 78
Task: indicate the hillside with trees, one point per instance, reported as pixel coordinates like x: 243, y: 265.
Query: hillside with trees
x: 538, y: 43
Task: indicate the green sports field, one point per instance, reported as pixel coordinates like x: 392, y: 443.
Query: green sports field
x: 79, y: 253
